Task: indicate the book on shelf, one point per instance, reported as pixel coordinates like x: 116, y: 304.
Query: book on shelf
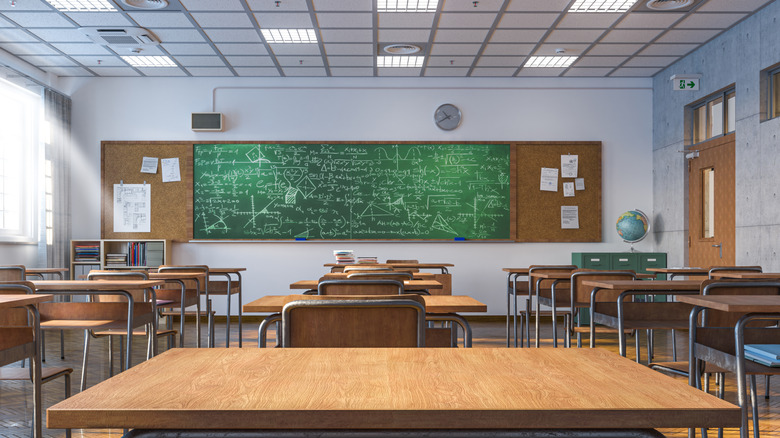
x: 88, y: 252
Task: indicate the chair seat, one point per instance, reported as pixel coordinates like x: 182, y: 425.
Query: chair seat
x: 177, y: 312
x: 599, y: 329
x: 160, y: 332
x: 47, y: 373
x: 89, y: 324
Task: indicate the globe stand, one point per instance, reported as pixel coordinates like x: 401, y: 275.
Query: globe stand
x: 647, y: 231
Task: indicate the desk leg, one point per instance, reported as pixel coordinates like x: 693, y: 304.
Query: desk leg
x: 508, y: 305
x: 227, y: 322
x: 240, y: 311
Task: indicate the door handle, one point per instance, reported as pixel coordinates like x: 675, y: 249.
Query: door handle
x: 720, y: 249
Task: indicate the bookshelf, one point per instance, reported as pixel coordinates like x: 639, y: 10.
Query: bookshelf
x: 88, y: 254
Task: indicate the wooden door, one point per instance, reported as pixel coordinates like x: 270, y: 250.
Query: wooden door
x: 711, y: 208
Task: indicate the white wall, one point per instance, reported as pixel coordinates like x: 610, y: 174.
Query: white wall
x: 614, y: 111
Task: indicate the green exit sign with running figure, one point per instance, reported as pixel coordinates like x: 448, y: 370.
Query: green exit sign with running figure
x: 680, y: 83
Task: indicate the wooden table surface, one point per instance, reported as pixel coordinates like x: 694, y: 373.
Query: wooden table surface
x: 747, y: 275
x: 433, y: 304
x: 343, y: 275
x: 225, y: 270
x: 735, y: 303
x: 19, y: 300
x: 655, y: 285
x: 385, y: 388
x: 519, y: 271
x: 395, y: 265
x: 176, y: 275
x: 91, y: 285
x: 408, y: 284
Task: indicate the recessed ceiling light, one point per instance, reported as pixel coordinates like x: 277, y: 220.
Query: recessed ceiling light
x: 407, y: 5
x: 399, y: 61
x: 82, y: 5
x: 289, y: 36
x: 401, y: 49
x: 602, y: 5
x: 149, y: 61
x: 146, y: 4
x: 550, y: 61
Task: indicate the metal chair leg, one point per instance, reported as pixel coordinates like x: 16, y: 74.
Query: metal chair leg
x: 754, y: 404
x: 84, y: 361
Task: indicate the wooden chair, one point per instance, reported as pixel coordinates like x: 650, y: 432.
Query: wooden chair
x: 17, y: 342
x: 360, y: 287
x: 368, y: 268
x: 392, y: 275
x: 391, y: 261
x: 361, y: 322
x: 714, y: 269
x: 539, y: 288
x: 193, y: 289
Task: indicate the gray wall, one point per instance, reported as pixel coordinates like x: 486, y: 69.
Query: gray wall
x: 734, y: 58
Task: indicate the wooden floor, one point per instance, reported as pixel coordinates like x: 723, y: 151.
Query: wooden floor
x: 16, y: 397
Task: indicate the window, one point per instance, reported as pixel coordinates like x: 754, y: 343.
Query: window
x: 708, y: 202
x: 20, y: 115
x: 774, y: 93
x: 713, y: 117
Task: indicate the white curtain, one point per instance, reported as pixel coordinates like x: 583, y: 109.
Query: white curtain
x: 57, y: 114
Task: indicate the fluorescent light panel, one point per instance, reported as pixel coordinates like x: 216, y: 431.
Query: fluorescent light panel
x: 602, y: 5
x: 82, y: 5
x: 550, y: 61
x: 149, y: 61
x: 399, y: 61
x: 407, y: 5
x: 290, y: 36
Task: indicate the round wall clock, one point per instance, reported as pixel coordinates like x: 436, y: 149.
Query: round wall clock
x: 447, y: 117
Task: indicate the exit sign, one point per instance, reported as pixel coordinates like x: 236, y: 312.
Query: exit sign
x: 682, y: 83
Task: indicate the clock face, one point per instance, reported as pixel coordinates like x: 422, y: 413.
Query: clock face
x: 447, y: 117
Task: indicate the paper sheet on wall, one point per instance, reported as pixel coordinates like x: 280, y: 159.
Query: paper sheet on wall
x: 568, y: 190
x: 579, y: 183
x: 132, y: 208
x: 549, y: 181
x: 170, y: 170
x: 569, y: 166
x: 570, y: 217
x: 149, y: 165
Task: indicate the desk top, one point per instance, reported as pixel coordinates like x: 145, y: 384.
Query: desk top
x: 408, y: 284
x: 386, y: 388
x: 395, y: 265
x: 735, y: 303
x: 176, y: 275
x: 747, y: 275
x: 343, y: 275
x: 94, y: 285
x: 519, y: 271
x: 654, y: 285
x: 226, y: 270
x: 18, y: 300
x: 433, y: 304
x: 682, y: 270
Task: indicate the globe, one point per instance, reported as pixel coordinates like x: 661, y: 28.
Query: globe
x: 632, y: 226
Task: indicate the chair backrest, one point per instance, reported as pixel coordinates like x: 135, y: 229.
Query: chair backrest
x: 15, y: 317
x: 394, y: 321
x: 546, y: 284
x: 716, y: 318
x: 360, y: 287
x: 391, y: 261
x: 581, y: 293
x: 395, y: 275
x: 12, y: 273
x: 107, y: 275
x: 189, y: 284
x: 732, y: 269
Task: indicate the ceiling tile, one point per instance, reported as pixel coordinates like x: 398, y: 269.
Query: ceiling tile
x: 299, y: 61
x: 349, y: 49
x: 347, y: 36
x: 100, y: 61
x: 351, y: 61
x: 26, y: 5
x: 242, y: 49
x: 210, y: 71
x: 273, y: 6
x: 688, y: 36
x: 631, y: 36
x: 455, y: 49
x: 285, y: 20
x: 648, y: 20
x: 450, y: 61
x: 732, y: 5
x: 501, y: 61
x: 404, y: 35
x: 114, y: 71
x: 600, y: 61
x: 614, y: 49
x: 223, y: 19
x: 16, y: 35
x: 460, y: 36
x: 233, y: 35
x: 396, y: 20
x: 399, y: 71
x: 574, y: 36
x: 517, y: 36
x: 651, y: 61
x: 211, y: 5
x: 583, y: 20
x: 304, y: 71
x: 345, y: 20
x: 128, y: 50
x: 61, y: 35
x: 468, y: 6
x: 465, y: 21
x: 200, y: 61
x: 257, y: 71
x: 494, y: 72
x: 295, y: 49
x: 29, y: 49
x: 527, y: 21
x: 250, y: 61
x: 588, y: 72
x: 340, y: 71
x: 162, y: 72
x: 38, y: 19
x: 188, y: 49
x: 86, y: 19
x: 445, y: 71
x: 701, y: 20
x: 160, y: 19
x: 81, y: 49
x: 541, y: 72
x: 343, y: 5
x: 178, y: 35
x: 48, y: 61
x: 569, y: 49
x: 68, y: 71
x: 636, y: 72
x: 668, y: 49
x: 5, y: 23
x: 537, y: 5
x: 508, y: 49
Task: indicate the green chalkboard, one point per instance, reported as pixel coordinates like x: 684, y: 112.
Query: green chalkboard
x: 351, y: 191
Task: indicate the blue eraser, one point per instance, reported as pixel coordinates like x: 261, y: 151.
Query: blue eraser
x: 300, y: 238
x: 460, y: 238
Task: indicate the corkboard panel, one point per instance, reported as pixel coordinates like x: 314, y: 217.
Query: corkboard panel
x: 171, y: 202
x: 539, y: 212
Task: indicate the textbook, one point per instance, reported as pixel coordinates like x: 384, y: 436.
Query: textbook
x: 765, y: 354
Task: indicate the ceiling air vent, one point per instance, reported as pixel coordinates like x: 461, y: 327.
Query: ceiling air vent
x: 401, y: 49
x: 120, y: 36
x: 668, y: 5
x: 146, y: 4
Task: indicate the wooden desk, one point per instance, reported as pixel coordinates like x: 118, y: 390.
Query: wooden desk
x: 433, y: 304
x: 408, y: 284
x: 747, y: 275
x: 343, y: 275
x: 179, y: 278
x: 232, y: 277
x: 443, y: 276
x: 426, y: 389
x: 685, y: 271
x: 32, y: 351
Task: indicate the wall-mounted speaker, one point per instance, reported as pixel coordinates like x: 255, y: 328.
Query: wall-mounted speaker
x: 207, y: 121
